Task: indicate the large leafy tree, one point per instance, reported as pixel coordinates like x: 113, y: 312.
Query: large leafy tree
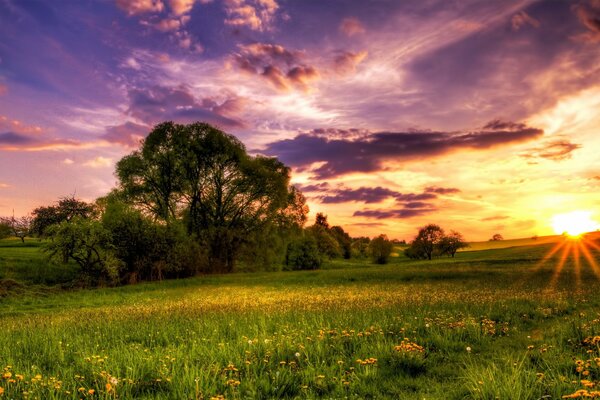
x: 205, y: 177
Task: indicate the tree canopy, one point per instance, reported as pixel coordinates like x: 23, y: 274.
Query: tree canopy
x: 200, y: 175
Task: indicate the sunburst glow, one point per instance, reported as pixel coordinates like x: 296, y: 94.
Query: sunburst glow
x: 574, y: 223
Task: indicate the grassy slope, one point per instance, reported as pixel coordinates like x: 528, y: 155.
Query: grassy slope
x: 284, y: 332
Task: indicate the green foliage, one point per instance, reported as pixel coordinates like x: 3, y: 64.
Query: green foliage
x: 303, y: 253
x: 204, y: 177
x: 360, y: 247
x: 150, y: 251
x: 66, y: 209
x: 19, y: 227
x: 5, y: 230
x: 344, y: 240
x: 326, y: 243
x: 432, y: 241
x: 451, y: 243
x: 89, y: 244
x: 380, y: 249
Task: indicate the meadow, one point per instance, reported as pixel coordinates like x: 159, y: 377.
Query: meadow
x: 495, y: 323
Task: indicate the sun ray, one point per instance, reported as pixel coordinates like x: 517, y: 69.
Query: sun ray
x: 576, y: 258
x: 549, y: 255
x: 590, y: 259
x: 561, y: 263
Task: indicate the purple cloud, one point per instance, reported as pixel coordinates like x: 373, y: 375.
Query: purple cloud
x: 368, y: 153
x: 441, y: 190
x: 159, y: 103
x: 400, y: 213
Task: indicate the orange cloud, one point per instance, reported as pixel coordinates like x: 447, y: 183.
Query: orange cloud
x: 99, y: 162
x: 346, y: 62
x: 352, y: 26
x: 133, y: 7
x: 521, y: 19
x: 283, y: 68
x: 256, y: 15
x: 180, y: 7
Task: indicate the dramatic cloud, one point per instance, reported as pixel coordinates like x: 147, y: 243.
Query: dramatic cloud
x: 160, y: 103
x: 589, y: 15
x: 369, y: 153
x: 180, y: 7
x: 351, y: 26
x: 257, y: 15
x: 283, y: 68
x: 11, y: 141
x: 441, y: 190
x: 521, y: 19
x: 556, y: 150
x: 401, y: 213
x: 367, y: 195
x: 133, y: 7
x: 128, y: 134
x: 346, y: 62
x: 362, y: 194
x: 12, y: 138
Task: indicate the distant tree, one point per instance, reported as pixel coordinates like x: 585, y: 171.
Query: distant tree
x: 381, y: 249
x: 5, y: 230
x: 496, y: 237
x: 360, y: 247
x: 303, y: 253
x: 66, y: 209
x: 327, y: 244
x: 321, y: 220
x: 20, y: 227
x: 426, y: 244
x: 344, y: 240
x: 451, y: 243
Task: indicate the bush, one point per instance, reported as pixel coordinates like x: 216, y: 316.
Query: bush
x: 150, y: 251
x: 303, y: 253
x: 89, y: 244
x: 381, y: 249
x: 5, y: 230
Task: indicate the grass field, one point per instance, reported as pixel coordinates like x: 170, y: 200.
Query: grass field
x: 489, y: 324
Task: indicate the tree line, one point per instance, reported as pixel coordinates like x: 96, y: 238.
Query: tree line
x: 191, y: 200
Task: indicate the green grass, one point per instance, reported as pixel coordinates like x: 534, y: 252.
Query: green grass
x: 492, y: 324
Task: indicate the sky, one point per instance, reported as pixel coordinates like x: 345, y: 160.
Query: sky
x: 479, y: 116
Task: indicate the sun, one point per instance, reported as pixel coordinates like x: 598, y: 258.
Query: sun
x: 574, y: 223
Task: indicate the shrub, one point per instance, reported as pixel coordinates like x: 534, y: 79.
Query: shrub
x: 89, y: 244
x: 381, y: 249
x: 303, y: 253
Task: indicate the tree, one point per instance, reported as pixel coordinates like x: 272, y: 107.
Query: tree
x: 20, y: 227
x: 321, y: 220
x: 381, y: 249
x: 496, y: 237
x: 205, y: 177
x: 426, y: 243
x: 327, y: 244
x: 87, y: 243
x: 451, y: 243
x: 303, y: 253
x: 344, y: 240
x: 66, y: 209
x: 360, y: 247
x: 5, y: 230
